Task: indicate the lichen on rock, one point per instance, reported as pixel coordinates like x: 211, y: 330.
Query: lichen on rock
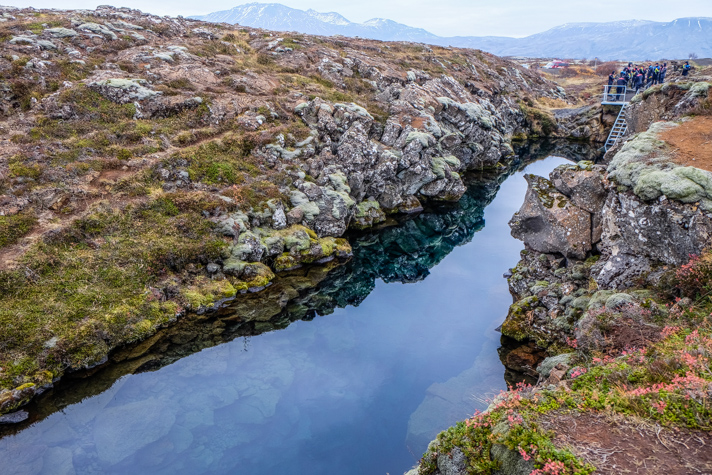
x: 123, y: 91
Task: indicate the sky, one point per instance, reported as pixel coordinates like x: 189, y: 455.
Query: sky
x: 443, y: 17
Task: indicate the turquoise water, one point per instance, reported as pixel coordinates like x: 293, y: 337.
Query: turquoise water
x: 406, y: 347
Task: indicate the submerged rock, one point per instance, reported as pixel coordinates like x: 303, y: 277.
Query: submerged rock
x: 14, y: 417
x: 120, y: 431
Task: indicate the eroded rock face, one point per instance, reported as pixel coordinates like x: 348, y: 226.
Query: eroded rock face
x: 550, y: 222
x: 636, y: 235
x: 584, y: 123
x: 641, y: 225
x: 405, y: 162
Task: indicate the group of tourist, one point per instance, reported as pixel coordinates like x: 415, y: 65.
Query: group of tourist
x: 637, y: 78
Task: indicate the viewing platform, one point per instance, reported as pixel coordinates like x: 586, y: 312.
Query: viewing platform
x: 612, y: 97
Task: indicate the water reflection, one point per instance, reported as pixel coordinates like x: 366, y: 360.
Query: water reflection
x: 334, y: 395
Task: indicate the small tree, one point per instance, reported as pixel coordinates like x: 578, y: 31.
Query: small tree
x: 693, y: 56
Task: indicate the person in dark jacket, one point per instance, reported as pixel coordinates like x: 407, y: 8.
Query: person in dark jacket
x: 621, y: 82
x: 663, y: 72
x: 638, y: 80
x: 611, y: 80
x: 650, y: 77
x: 686, y: 68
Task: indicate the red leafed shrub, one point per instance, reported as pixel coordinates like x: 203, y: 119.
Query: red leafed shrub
x: 694, y: 279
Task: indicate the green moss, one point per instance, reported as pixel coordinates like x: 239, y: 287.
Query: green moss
x: 204, y: 292
x: 645, y: 165
x: 422, y: 137
x: 13, y: 227
x: 493, y: 441
x: 438, y: 166
x: 700, y: 89
x: 285, y: 262
x: 516, y: 325
x: 19, y: 169
x: 652, y: 90
x: 298, y: 238
x: 220, y: 162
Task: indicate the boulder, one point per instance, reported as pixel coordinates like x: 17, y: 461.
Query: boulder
x: 279, y: 219
x: 453, y: 463
x: 124, y: 91
x: 14, y: 417
x: 367, y: 214
x: 546, y: 366
x: 549, y: 222
x: 583, y: 183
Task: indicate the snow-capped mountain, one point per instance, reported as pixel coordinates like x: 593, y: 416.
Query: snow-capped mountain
x: 633, y: 39
x: 625, y: 40
x: 275, y: 16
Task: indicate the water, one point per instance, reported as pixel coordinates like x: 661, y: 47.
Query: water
x: 360, y: 390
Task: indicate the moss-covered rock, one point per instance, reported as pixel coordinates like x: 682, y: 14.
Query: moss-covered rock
x: 619, y: 300
x: 286, y: 262
x: 203, y: 293
x: 516, y: 324
x: 257, y: 275
x: 644, y: 164
x: 368, y: 213
x: 298, y: 238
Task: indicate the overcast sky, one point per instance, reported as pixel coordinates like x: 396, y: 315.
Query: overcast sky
x: 442, y: 17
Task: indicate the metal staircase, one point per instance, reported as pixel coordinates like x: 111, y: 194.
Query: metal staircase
x: 620, y: 127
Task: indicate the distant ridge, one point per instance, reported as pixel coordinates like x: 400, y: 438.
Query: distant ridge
x: 634, y: 40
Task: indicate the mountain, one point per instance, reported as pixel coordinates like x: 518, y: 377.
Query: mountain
x: 275, y: 16
x: 632, y: 39
x: 625, y: 40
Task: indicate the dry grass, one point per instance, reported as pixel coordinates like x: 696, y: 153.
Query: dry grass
x: 583, y: 81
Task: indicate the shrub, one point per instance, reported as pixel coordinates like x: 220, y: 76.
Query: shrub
x: 693, y: 279
x: 265, y: 59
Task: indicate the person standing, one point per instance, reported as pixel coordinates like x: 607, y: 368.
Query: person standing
x: 639, y: 78
x: 622, y: 81
x: 611, y: 79
x: 686, y: 68
x: 656, y: 73
x: 663, y: 72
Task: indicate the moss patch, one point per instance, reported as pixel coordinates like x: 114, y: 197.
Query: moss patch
x: 13, y: 227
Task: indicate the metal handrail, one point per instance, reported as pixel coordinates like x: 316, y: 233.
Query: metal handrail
x: 614, y: 93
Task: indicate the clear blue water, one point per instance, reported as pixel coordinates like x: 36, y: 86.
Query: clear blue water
x: 359, y: 391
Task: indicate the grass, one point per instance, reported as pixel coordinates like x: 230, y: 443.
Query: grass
x: 13, y: 227
x: 95, y: 286
x: 221, y: 162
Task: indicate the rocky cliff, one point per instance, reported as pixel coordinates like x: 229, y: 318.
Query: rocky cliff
x: 611, y: 312
x: 155, y: 166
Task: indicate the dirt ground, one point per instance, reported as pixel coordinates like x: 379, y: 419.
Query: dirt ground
x: 625, y: 446
x: 692, y: 142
